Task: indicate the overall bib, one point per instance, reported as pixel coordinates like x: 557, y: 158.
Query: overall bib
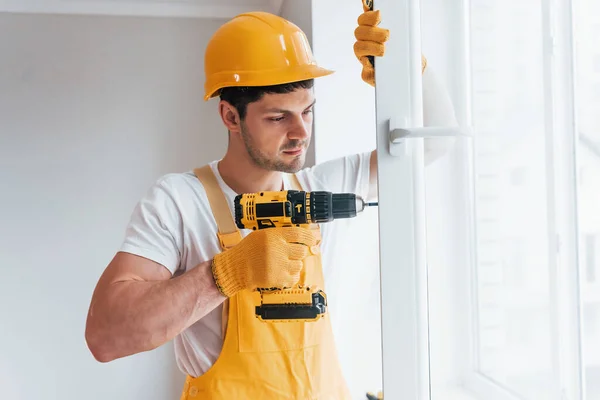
x: 260, y: 360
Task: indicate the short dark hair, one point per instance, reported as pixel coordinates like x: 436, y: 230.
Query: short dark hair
x: 239, y: 97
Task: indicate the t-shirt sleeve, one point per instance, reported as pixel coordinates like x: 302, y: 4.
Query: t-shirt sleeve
x: 153, y: 231
x: 348, y: 174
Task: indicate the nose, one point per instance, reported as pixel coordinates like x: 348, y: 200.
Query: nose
x: 300, y: 130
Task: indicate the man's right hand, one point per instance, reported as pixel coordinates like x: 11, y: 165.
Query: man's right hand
x: 265, y: 258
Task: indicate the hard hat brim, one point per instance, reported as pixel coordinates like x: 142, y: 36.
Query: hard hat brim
x: 262, y: 78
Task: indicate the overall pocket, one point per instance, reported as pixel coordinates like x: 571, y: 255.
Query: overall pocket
x: 256, y: 335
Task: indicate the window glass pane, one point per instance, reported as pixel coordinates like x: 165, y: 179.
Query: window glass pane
x: 514, y: 325
x: 587, y: 74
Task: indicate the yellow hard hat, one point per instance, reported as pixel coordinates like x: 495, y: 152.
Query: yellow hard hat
x: 258, y: 49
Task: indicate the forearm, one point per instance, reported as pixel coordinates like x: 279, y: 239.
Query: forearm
x: 134, y: 316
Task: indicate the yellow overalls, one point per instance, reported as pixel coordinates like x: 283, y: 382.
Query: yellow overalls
x: 264, y: 361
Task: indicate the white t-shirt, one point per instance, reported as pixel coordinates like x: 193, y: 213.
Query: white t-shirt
x: 173, y: 225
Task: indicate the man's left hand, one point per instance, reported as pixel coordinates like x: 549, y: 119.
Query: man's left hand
x: 370, y: 40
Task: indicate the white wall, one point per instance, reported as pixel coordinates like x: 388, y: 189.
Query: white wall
x: 92, y: 111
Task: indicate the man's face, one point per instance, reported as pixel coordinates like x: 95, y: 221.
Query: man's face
x: 277, y: 130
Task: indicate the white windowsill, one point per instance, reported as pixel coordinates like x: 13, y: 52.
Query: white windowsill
x: 453, y: 393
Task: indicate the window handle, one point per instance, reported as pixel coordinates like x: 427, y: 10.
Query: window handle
x: 399, y: 132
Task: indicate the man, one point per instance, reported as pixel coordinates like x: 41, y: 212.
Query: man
x: 186, y: 273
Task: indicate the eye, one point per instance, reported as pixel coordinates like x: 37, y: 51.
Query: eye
x: 310, y: 110
x: 276, y: 119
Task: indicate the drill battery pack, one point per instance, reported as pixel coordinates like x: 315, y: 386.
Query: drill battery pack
x: 301, y: 304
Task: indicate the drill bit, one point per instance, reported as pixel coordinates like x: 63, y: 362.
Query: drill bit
x: 361, y: 204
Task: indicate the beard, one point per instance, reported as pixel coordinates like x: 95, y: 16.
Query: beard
x: 274, y: 164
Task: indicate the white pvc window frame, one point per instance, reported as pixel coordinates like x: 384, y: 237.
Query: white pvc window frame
x: 400, y: 133
x: 398, y: 97
x: 402, y: 238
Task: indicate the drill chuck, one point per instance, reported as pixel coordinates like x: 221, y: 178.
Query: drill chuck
x: 327, y: 206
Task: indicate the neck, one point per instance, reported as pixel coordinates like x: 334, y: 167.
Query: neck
x: 244, y: 176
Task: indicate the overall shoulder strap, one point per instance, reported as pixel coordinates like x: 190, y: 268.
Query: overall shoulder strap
x: 228, y: 233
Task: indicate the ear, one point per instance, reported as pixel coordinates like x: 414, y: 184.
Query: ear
x: 230, y: 117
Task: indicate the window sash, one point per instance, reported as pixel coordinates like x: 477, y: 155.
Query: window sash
x: 405, y: 352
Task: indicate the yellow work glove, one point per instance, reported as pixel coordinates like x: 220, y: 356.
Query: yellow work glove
x: 265, y: 258
x: 371, y: 396
x: 370, y: 41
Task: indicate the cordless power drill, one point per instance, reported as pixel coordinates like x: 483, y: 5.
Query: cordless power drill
x: 293, y: 208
